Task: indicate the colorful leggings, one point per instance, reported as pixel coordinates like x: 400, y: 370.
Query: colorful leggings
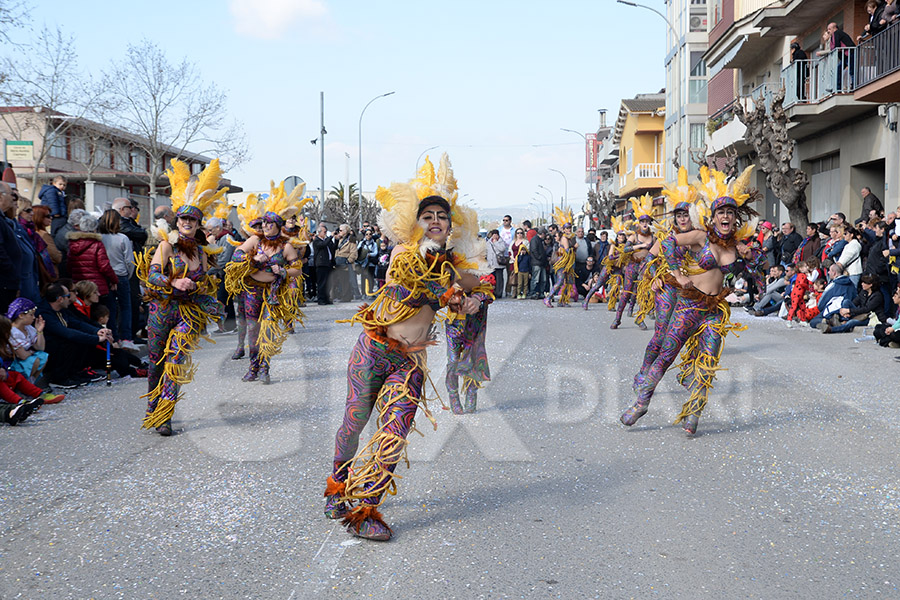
x: 161, y: 320
x: 689, y: 317
x: 627, y: 294
x: 240, y: 317
x: 390, y: 380
x: 253, y: 309
x: 664, y: 303
x: 565, y: 286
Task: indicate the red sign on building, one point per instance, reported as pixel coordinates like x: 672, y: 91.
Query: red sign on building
x: 591, y: 157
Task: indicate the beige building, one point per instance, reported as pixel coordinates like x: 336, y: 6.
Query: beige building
x: 99, y: 162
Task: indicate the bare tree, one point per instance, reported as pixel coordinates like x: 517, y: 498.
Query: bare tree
x: 767, y: 135
x: 602, y: 205
x: 13, y: 14
x: 342, y: 205
x: 170, y: 110
x: 45, y: 77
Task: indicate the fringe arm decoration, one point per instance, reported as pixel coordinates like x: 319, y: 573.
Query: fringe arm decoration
x: 697, y: 369
x: 415, y: 281
x: 179, y: 346
x: 615, y: 288
x: 369, y: 472
x: 280, y: 310
x: 654, y: 270
x: 237, y: 272
x: 670, y: 252
x: 155, y: 281
x: 566, y: 261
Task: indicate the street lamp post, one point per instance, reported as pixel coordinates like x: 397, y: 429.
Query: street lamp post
x: 682, y: 104
x: 584, y: 137
x: 565, y: 197
x: 360, y: 155
x: 552, y: 201
x: 423, y: 154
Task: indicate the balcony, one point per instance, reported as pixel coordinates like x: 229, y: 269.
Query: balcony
x: 818, y: 92
x: 648, y: 170
x: 879, y: 67
x: 726, y: 132
x: 795, y: 17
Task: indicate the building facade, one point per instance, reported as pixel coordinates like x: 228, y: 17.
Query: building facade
x: 639, y: 135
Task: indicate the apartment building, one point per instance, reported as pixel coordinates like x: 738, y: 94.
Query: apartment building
x: 639, y: 136
x: 840, y: 103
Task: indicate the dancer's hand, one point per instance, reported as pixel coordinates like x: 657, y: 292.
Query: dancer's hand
x: 656, y: 285
x: 743, y: 250
x: 185, y: 284
x: 683, y: 280
x: 470, y: 306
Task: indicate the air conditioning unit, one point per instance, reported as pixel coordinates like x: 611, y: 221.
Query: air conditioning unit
x: 696, y: 23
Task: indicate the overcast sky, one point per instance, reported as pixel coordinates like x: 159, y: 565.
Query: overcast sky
x: 489, y: 82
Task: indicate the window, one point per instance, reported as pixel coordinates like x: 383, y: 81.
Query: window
x: 698, y: 135
x: 138, y: 161
x: 81, y: 151
x: 628, y: 157
x: 716, y: 11
x: 59, y: 146
x: 697, y: 81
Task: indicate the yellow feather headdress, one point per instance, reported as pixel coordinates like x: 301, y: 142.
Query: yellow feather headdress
x: 195, y: 195
x: 715, y: 191
x: 562, y: 217
x: 642, y: 207
x: 400, y: 203
x: 278, y: 205
x: 618, y: 225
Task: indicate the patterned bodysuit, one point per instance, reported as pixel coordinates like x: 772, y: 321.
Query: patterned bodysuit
x: 174, y: 325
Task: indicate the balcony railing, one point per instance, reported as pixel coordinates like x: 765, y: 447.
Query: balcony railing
x: 648, y: 170
x: 725, y: 115
x: 813, y: 80
x: 878, y: 56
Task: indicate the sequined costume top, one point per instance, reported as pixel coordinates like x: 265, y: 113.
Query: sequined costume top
x: 158, y: 280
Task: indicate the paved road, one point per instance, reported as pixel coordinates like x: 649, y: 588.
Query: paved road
x: 790, y: 489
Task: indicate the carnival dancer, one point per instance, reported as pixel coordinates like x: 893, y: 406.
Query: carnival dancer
x: 296, y: 229
x: 260, y: 272
x: 618, y: 255
x: 657, y: 289
x: 466, y: 352
x: 182, y: 294
x: 700, y: 320
x: 564, y: 267
x: 387, y: 368
x: 639, y: 244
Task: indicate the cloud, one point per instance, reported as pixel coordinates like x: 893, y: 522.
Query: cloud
x: 271, y: 19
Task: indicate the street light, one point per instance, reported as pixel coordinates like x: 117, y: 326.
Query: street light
x: 421, y: 155
x: 552, y: 202
x: 682, y: 105
x: 360, y: 155
x: 565, y: 199
x: 584, y: 137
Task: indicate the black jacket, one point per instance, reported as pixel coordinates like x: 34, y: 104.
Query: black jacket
x: 65, y: 326
x: 538, y: 252
x: 867, y: 303
x: 134, y: 232
x: 10, y: 256
x: 877, y: 263
x: 323, y: 252
x: 789, y: 245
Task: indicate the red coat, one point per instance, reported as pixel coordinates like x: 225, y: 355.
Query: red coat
x: 88, y: 260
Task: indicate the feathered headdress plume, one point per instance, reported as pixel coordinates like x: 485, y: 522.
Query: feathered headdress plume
x: 562, y: 217
x: 196, y: 196
x: 618, y: 225
x: 275, y: 207
x: 642, y: 207
x: 715, y: 192
x: 400, y: 202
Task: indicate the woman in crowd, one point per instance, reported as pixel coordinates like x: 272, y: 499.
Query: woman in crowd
x: 521, y: 264
x: 384, y: 260
x: 261, y: 271
x: 41, y: 216
x: 88, y: 258
x: 121, y: 257
x: 870, y: 300
x: 47, y: 271
x: 851, y: 255
x: 701, y: 318
x: 497, y: 260
x: 182, y: 294
x: 366, y: 260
